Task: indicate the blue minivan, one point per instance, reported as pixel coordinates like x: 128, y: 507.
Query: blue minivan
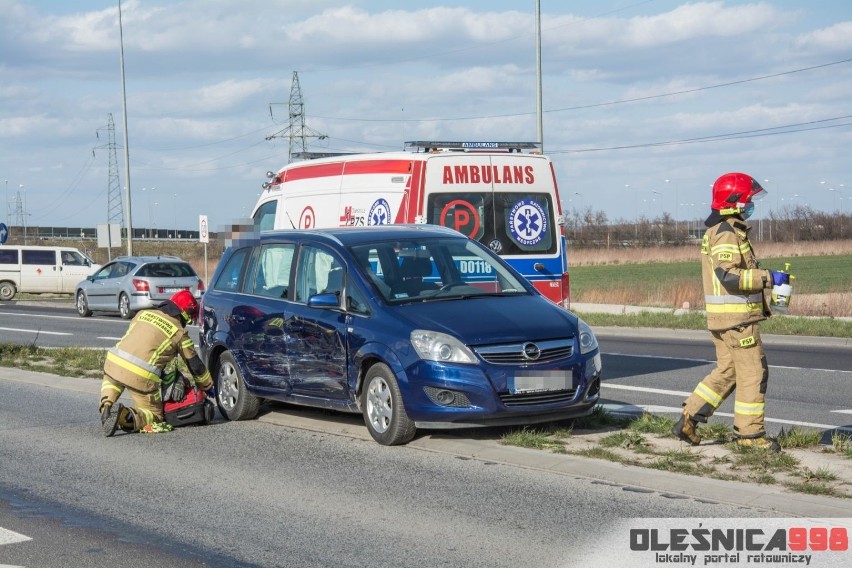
x: 413, y: 326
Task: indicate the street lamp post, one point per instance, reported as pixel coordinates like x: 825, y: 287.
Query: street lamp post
x: 24, y: 211
x: 174, y: 212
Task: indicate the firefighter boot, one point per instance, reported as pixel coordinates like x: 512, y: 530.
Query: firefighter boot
x: 109, y: 418
x: 761, y: 443
x: 686, y: 429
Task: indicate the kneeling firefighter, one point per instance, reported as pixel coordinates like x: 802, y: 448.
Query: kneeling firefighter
x: 155, y: 337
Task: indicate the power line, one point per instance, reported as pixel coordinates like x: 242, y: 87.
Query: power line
x: 596, y: 105
x: 717, y: 137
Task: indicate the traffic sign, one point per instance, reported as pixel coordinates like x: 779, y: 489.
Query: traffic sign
x: 203, y: 233
x: 4, y: 233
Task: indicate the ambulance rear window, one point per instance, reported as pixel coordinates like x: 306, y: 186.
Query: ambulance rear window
x: 507, y: 223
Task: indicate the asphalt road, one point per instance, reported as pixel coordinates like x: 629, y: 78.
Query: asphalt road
x: 256, y: 493
x: 810, y: 378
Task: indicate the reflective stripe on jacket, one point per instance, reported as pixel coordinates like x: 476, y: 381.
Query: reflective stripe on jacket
x: 733, y: 281
x: 153, y: 339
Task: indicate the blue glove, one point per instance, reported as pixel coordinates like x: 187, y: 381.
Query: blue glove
x: 211, y: 393
x: 779, y: 278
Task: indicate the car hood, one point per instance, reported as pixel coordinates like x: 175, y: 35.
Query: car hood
x: 488, y: 320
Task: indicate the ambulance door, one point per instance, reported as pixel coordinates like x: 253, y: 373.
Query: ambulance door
x: 39, y: 270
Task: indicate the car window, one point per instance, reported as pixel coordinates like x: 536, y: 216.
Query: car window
x: 120, y: 269
x: 355, y: 301
x: 437, y: 269
x: 32, y: 256
x: 319, y: 271
x: 230, y: 279
x: 264, y: 219
x: 73, y: 258
x: 272, y: 275
x: 166, y: 270
x: 8, y: 256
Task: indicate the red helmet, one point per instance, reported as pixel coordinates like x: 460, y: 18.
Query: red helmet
x: 187, y: 304
x: 733, y: 191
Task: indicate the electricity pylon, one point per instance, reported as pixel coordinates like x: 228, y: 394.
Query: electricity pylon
x: 297, y: 131
x: 115, y: 210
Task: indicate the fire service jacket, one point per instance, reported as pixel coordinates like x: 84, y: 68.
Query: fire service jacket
x: 154, y: 338
x: 734, y: 283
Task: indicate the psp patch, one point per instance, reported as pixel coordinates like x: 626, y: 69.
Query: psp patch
x: 379, y: 213
x: 527, y: 222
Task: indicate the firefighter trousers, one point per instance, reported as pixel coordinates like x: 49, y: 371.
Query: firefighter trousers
x: 148, y: 407
x: 741, y: 367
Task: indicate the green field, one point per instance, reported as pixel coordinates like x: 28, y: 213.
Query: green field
x: 814, y: 275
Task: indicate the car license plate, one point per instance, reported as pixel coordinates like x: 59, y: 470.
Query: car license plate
x: 171, y: 290
x: 540, y: 381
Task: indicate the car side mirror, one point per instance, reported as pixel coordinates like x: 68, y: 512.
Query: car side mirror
x: 326, y: 301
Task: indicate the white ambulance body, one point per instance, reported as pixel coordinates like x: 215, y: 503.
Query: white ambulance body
x: 491, y: 191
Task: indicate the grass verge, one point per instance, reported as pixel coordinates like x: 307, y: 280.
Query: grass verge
x: 647, y: 441
x: 64, y: 361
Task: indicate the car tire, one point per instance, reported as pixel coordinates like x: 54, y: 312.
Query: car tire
x: 124, y: 307
x: 383, y: 409
x: 83, y: 305
x: 233, y: 398
x: 7, y: 290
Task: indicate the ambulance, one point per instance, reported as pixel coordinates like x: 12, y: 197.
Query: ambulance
x: 503, y: 194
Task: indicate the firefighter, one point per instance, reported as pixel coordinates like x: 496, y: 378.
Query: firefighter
x: 735, y: 300
x: 155, y: 337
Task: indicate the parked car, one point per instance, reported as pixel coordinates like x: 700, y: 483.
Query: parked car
x: 33, y: 269
x: 413, y: 326
x: 132, y: 283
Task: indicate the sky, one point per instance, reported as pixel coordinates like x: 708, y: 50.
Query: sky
x: 645, y: 103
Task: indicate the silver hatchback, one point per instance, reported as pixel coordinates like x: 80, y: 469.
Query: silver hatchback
x: 132, y: 283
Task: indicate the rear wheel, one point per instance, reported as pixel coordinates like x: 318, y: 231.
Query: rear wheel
x: 384, y: 412
x: 83, y: 305
x: 7, y: 290
x: 124, y: 307
x: 234, y: 399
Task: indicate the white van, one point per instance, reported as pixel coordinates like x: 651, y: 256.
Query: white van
x: 42, y: 270
x: 492, y: 192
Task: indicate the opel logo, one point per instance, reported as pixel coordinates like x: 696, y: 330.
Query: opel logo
x: 531, y: 351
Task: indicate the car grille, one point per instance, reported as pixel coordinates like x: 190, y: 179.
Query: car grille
x: 516, y: 353
x: 534, y: 398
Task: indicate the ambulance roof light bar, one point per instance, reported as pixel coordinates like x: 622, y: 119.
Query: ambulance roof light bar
x: 448, y: 146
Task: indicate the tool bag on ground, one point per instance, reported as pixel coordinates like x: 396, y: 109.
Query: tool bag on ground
x: 183, y: 402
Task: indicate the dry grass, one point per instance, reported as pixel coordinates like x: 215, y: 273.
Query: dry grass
x: 620, y: 255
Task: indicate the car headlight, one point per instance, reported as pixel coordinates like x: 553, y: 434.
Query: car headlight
x: 435, y: 346
x: 588, y: 342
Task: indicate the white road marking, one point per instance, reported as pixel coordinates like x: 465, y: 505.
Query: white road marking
x: 678, y: 409
x: 11, y: 537
x: 34, y: 331
x: 111, y: 338
x: 645, y: 389
x: 842, y: 411
x: 713, y: 362
x: 75, y: 318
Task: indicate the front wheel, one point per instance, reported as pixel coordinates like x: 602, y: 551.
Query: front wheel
x: 7, y: 290
x: 124, y: 307
x: 384, y: 412
x: 83, y: 305
x: 234, y: 399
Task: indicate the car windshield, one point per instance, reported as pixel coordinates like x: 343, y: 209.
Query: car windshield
x: 435, y: 269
